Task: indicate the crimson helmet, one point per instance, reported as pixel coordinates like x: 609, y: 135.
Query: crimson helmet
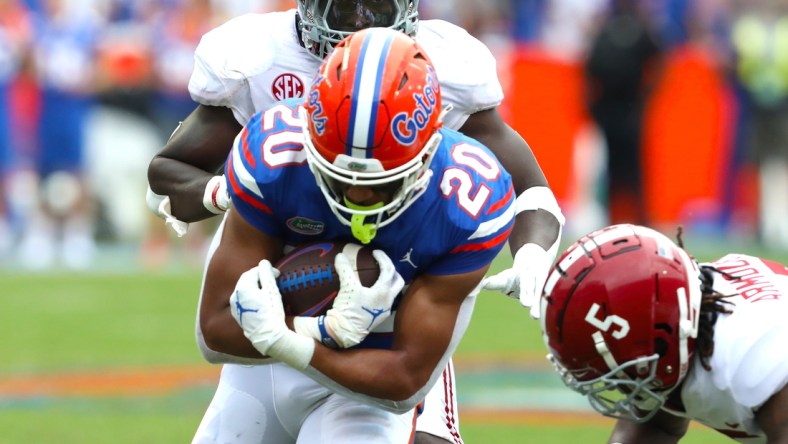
x: 619, y: 317
x: 324, y: 23
x: 372, y: 119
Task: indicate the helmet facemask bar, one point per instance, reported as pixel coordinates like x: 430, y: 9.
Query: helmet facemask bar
x: 319, y: 37
x: 615, y: 394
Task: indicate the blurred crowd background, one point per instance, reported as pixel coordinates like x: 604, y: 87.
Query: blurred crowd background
x: 660, y: 112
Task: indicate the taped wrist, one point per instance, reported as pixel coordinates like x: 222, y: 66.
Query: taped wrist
x: 293, y: 349
x: 215, y: 198
x: 530, y: 252
x: 316, y: 329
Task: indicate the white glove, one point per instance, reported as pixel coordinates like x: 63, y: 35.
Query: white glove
x: 356, y: 310
x: 257, y: 307
x: 216, y: 198
x: 160, y: 206
x: 526, y: 279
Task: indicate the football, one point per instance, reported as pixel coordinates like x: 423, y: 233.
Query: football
x: 309, y: 282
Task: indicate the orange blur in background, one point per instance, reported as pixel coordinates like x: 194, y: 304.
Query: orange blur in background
x: 688, y: 133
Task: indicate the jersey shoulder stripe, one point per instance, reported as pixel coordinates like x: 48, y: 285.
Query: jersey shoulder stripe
x: 494, y: 242
x: 241, y: 179
x: 476, y: 202
x: 257, y: 167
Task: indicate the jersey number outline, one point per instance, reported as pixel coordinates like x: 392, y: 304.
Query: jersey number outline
x: 285, y: 147
x: 605, y: 324
x: 459, y: 182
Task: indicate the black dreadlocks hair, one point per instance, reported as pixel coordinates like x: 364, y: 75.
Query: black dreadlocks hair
x: 712, y: 304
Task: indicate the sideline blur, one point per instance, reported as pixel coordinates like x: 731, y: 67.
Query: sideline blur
x: 91, y: 89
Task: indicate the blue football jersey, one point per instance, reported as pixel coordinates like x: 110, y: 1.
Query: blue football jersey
x: 458, y: 225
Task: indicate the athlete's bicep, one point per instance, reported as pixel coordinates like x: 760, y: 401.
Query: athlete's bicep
x: 509, y: 147
x: 541, y: 227
x: 194, y: 154
x: 203, y: 139
x: 772, y: 417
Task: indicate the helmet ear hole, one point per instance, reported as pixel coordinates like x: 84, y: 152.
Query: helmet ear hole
x: 660, y: 347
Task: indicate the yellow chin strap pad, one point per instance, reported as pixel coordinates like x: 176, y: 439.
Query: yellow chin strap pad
x: 361, y: 231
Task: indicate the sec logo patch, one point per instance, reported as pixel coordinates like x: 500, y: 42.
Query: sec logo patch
x: 287, y: 86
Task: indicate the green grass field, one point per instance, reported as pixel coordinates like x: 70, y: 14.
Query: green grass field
x: 57, y: 325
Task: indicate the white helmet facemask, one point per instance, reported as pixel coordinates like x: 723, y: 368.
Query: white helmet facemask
x: 324, y: 23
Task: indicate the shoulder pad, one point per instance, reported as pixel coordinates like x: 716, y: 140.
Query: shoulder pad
x: 230, y: 54
x: 466, y: 69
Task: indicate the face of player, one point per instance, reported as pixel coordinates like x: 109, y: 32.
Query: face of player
x: 364, y: 196
x: 353, y: 15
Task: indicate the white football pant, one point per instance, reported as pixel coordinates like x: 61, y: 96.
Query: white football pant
x: 275, y: 404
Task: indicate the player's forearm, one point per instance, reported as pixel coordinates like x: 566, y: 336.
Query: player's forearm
x: 383, y: 374
x: 183, y: 183
x: 539, y: 218
x: 241, y: 248
x: 626, y: 432
x: 539, y: 227
x: 222, y: 334
x: 195, y: 153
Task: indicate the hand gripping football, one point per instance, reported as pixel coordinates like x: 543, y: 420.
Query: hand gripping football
x: 309, y: 282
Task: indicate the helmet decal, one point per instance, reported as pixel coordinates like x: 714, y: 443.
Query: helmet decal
x: 316, y: 114
x: 619, y: 316
x: 605, y: 324
x: 351, y: 137
x: 366, y: 94
x: 404, y: 126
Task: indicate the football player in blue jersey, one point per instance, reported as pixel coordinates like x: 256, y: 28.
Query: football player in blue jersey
x: 254, y: 60
x: 364, y: 157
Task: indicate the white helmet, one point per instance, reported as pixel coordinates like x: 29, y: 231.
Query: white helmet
x: 324, y: 23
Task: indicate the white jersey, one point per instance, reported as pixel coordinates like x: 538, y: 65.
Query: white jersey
x: 254, y: 60
x: 750, y: 360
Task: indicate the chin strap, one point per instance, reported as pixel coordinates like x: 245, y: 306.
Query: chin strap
x: 362, y: 231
